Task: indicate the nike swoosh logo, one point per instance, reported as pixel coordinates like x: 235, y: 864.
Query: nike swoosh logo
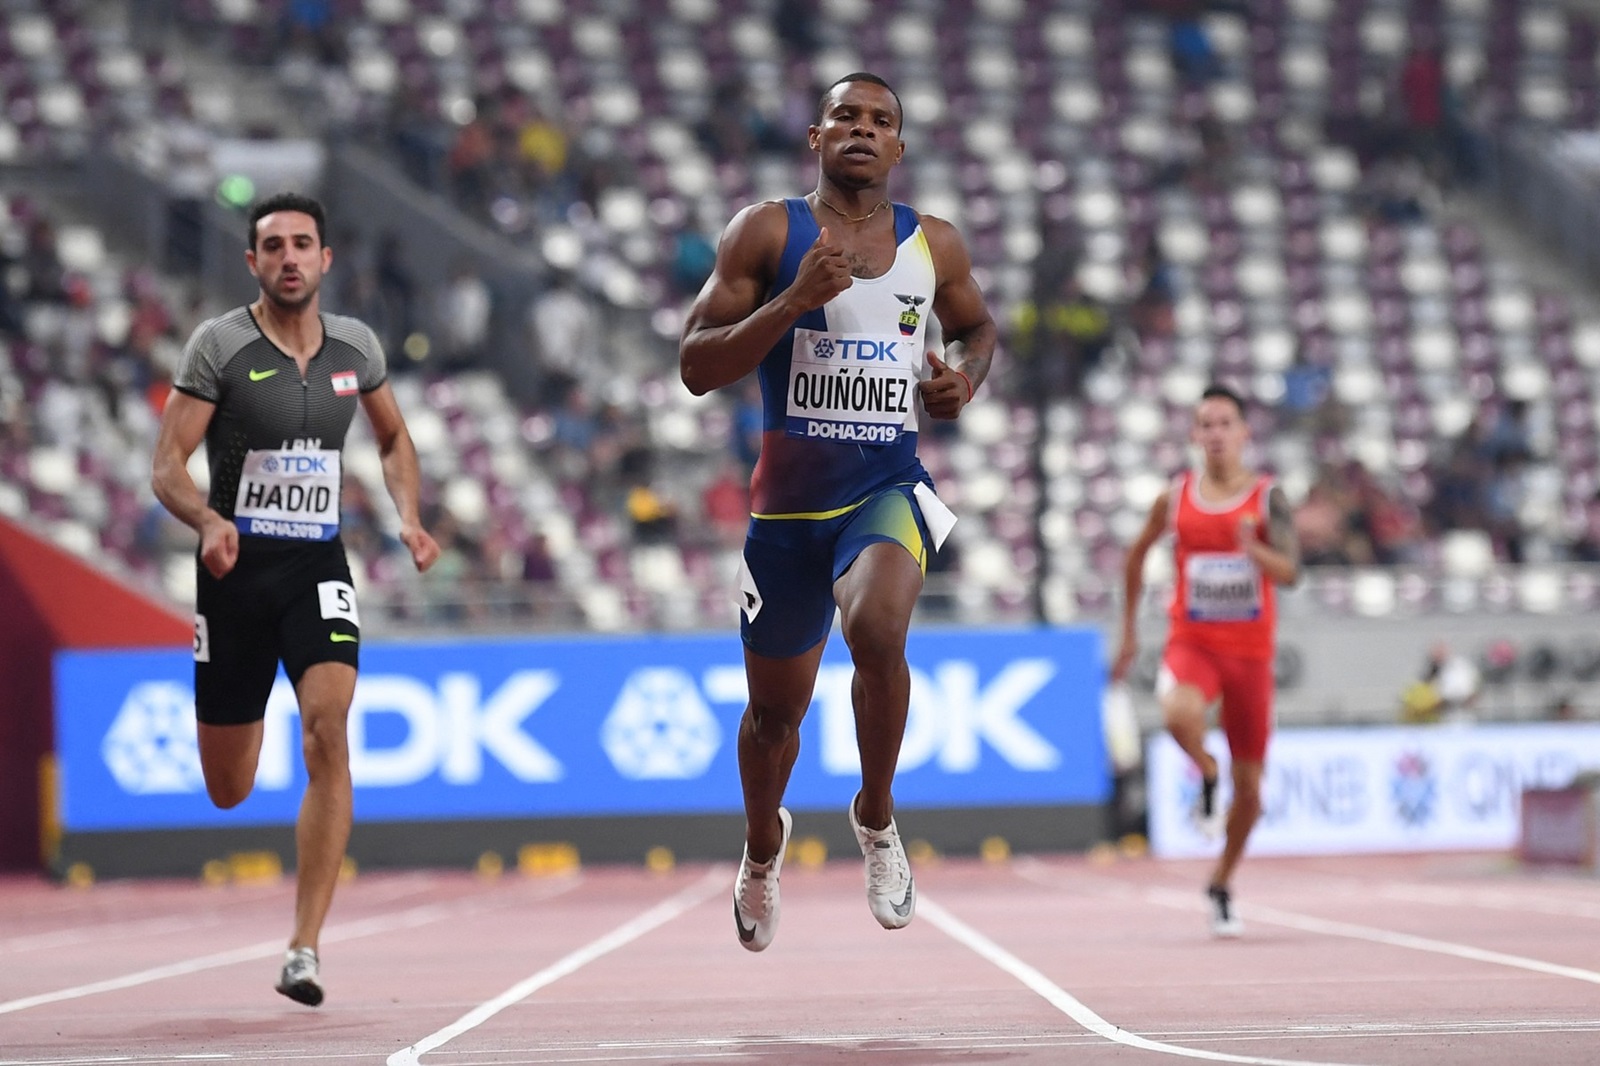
x: 343, y: 638
x: 745, y: 935
x: 261, y: 375
x: 903, y: 908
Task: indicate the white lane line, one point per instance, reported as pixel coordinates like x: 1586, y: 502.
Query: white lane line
x: 1069, y: 1004
x: 380, y: 923
x: 714, y: 881
x: 104, y: 1060
x: 1491, y: 899
x: 154, y: 926
x: 1272, y: 916
x: 99, y: 934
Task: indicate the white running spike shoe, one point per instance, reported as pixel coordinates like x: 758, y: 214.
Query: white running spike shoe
x: 891, y: 892
x: 1225, y: 922
x: 1207, y: 815
x: 300, y: 979
x: 755, y: 894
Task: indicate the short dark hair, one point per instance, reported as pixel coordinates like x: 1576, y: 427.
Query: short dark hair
x: 860, y: 75
x: 289, y: 201
x: 1218, y: 391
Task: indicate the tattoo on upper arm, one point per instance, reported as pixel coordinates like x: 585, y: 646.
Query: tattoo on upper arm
x: 1280, y: 525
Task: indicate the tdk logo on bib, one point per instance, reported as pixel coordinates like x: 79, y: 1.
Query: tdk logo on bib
x: 864, y: 350
x: 290, y: 463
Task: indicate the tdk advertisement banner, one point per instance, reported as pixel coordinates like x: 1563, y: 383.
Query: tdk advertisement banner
x: 538, y: 728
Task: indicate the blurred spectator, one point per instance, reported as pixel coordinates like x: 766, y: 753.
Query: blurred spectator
x: 470, y: 164
x: 1396, y: 190
x: 1199, y: 154
x: 795, y: 24
x: 1507, y: 435
x: 1446, y: 690
x: 540, y: 577
x: 1459, y: 491
x: 693, y: 257
x: 1392, y: 524
x: 725, y: 504
x: 44, y: 278
x: 1563, y: 709
x: 1154, y: 308
x: 1322, y: 524
x: 1422, y: 99
x: 464, y: 310
x: 309, y: 25
x: 748, y: 423
x: 1308, y: 403
x: 736, y: 127
x: 1193, y: 55
x: 566, y: 331
x: 1503, y: 498
x: 397, y: 290
x: 541, y: 145
x: 653, y: 516
x: 1061, y: 340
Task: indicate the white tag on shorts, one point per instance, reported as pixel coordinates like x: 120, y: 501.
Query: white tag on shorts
x: 202, y: 639
x: 749, y: 597
x: 940, y: 518
x: 338, y: 600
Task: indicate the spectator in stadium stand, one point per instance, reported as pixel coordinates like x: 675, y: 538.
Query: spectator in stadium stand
x: 1063, y: 338
x: 1234, y: 540
x: 271, y: 388
x: 844, y: 513
x: 464, y: 308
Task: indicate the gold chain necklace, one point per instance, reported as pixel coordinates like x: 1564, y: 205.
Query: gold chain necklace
x: 852, y: 218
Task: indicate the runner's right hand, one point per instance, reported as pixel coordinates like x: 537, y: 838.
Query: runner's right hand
x: 823, y: 274
x: 219, y: 546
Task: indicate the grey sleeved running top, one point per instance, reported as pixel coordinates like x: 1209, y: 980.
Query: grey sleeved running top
x: 273, y: 445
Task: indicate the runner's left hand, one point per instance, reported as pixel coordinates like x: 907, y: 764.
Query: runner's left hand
x: 424, y: 549
x: 944, y: 394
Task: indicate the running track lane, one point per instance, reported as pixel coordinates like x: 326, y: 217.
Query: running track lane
x: 1122, y: 944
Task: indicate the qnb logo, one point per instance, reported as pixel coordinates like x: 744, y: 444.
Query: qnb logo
x: 151, y: 747
x: 1413, y: 789
x: 660, y: 728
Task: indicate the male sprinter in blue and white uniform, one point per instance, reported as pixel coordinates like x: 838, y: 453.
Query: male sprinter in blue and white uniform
x: 827, y: 298
x: 271, y: 388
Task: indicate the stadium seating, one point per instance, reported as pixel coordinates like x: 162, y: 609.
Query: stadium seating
x: 1043, y: 119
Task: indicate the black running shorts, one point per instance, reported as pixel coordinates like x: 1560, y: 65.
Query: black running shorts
x: 294, y: 604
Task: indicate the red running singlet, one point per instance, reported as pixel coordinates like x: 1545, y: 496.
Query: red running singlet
x: 1221, y: 601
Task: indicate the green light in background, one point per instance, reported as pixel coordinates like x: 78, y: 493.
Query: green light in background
x: 236, y: 190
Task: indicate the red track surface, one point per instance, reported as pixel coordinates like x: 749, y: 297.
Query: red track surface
x: 1394, y: 961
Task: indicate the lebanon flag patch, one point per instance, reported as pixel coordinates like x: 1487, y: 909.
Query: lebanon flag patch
x: 344, y: 383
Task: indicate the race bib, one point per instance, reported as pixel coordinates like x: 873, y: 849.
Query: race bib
x: 289, y: 493
x: 1222, y: 587
x: 854, y: 388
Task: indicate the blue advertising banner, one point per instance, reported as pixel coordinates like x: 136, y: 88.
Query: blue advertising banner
x: 588, y: 726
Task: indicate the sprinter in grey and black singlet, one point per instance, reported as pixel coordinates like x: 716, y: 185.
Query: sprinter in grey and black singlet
x: 271, y: 388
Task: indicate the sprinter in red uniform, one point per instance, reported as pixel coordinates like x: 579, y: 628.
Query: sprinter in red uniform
x: 1233, y: 541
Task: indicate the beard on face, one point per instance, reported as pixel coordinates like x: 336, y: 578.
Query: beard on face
x: 275, y: 293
